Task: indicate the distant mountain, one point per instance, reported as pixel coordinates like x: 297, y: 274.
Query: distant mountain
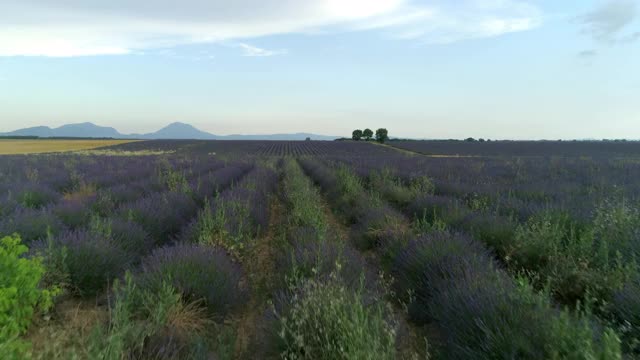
x: 81, y: 130
x: 72, y: 130
x: 179, y: 130
x: 176, y: 130
x: 41, y: 131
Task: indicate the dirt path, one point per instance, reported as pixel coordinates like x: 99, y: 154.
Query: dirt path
x: 259, y: 264
x: 260, y: 267
x: 417, y: 153
x: 411, y: 343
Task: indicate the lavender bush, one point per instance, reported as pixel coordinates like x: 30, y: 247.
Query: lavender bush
x: 161, y: 215
x: 31, y: 224
x: 451, y: 280
x: 198, y: 272
x: 72, y: 213
x: 36, y: 196
x: 130, y: 237
x: 430, y: 262
x: 312, y: 258
x: 92, y: 260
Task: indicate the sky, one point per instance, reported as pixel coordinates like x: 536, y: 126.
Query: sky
x: 499, y: 69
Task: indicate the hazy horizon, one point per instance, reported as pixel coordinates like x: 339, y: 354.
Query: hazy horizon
x: 500, y: 69
x: 151, y: 130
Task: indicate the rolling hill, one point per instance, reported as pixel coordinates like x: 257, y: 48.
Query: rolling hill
x: 175, y: 130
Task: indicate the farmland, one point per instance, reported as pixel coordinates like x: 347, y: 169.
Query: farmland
x: 322, y: 250
x: 521, y: 148
x: 34, y: 146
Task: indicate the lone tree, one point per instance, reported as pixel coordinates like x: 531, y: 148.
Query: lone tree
x: 382, y: 135
x: 368, y: 134
x: 356, y: 135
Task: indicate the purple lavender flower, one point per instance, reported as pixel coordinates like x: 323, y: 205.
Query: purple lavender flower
x: 199, y: 272
x: 161, y: 215
x: 429, y: 263
x: 130, y: 237
x: 73, y: 213
x: 319, y: 258
x: 92, y: 259
x: 31, y: 224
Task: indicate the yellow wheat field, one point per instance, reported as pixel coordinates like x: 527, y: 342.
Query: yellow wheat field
x: 36, y: 146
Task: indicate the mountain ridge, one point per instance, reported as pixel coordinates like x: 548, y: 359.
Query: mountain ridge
x: 175, y: 130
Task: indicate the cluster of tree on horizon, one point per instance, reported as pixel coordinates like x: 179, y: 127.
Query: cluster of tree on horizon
x: 382, y: 135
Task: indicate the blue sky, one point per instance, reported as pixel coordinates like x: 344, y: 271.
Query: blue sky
x: 426, y: 69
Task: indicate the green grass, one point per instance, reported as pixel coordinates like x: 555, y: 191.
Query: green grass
x: 331, y: 321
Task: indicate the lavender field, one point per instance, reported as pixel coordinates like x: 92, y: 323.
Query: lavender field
x: 321, y: 250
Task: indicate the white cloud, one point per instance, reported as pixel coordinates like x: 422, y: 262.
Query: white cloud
x: 97, y: 27
x: 254, y: 51
x: 446, y: 21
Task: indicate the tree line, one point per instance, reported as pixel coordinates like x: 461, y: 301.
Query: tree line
x: 382, y: 135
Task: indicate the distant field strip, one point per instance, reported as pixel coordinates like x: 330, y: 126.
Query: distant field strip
x: 13, y: 146
x: 414, y: 152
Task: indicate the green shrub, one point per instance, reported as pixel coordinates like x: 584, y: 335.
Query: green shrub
x: 422, y: 185
x: 327, y: 320
x: 388, y: 185
x: 422, y: 225
x: 348, y: 182
x: 209, y: 228
x: 172, y: 179
x: 572, y: 262
x: 54, y: 259
x: 616, y: 232
x: 570, y: 334
x: 36, y: 197
x: 303, y: 200
x: 570, y: 338
x: 20, y: 295
x: 149, y: 325
x: 537, y: 243
x: 226, y: 223
x: 348, y: 197
x: 496, y: 232
x: 122, y: 335
x: 392, y: 188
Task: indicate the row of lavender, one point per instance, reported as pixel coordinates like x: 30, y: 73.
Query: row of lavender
x: 210, y: 259
x: 452, y: 281
x: 74, y: 207
x: 324, y: 304
x: 516, y: 187
x: 140, y: 227
x: 39, y: 181
x: 257, y: 148
x: 604, y: 149
x: 578, y: 260
x: 206, y: 267
x: 107, y: 235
